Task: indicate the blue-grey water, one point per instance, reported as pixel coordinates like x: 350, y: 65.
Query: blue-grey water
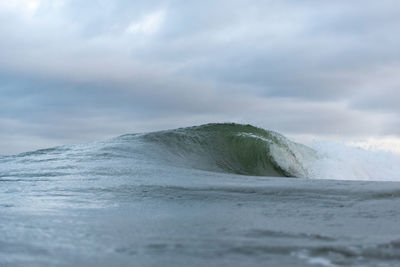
x: 214, y: 195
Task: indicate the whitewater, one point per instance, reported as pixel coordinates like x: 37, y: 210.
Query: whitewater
x: 217, y: 195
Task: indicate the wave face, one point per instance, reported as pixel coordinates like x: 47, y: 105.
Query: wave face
x: 232, y: 148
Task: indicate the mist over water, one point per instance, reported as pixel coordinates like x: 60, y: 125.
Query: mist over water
x: 216, y: 194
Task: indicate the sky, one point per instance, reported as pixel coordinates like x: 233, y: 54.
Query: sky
x: 73, y: 71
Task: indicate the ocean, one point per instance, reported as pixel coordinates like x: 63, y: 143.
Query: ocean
x: 209, y: 195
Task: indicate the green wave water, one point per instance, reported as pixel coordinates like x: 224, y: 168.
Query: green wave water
x: 233, y: 148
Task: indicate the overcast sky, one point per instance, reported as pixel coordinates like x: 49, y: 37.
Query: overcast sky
x: 73, y: 71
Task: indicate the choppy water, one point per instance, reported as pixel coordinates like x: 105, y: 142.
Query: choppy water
x: 199, y: 196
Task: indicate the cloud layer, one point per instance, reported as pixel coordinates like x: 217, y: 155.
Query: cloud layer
x: 72, y: 71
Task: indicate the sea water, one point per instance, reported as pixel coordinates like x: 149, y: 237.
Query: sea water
x: 211, y: 195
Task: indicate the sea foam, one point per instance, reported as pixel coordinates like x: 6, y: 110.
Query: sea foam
x: 345, y: 162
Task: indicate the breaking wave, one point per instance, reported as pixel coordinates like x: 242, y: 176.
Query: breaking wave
x: 238, y: 149
x: 248, y: 150
x: 233, y: 148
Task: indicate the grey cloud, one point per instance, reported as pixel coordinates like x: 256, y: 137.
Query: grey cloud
x: 300, y: 67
